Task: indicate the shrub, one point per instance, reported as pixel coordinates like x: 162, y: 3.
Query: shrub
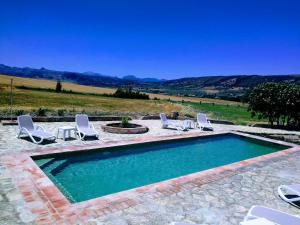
x: 19, y: 112
x: 61, y: 112
x: 41, y: 112
x: 189, y: 115
x: 125, y: 121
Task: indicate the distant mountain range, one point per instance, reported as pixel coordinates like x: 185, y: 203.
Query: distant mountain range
x: 141, y: 80
x: 229, y: 87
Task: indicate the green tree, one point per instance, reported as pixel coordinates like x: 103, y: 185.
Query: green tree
x: 263, y: 100
x: 279, y: 103
x: 58, y: 87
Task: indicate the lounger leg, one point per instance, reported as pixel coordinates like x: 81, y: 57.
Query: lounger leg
x: 57, y: 134
x: 19, y: 134
x: 40, y: 141
x: 34, y: 141
x: 79, y: 135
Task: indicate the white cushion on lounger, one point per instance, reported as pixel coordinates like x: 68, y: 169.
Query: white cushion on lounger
x: 259, y: 221
x: 41, y: 134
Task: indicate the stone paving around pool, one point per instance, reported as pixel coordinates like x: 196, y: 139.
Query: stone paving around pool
x: 219, y: 199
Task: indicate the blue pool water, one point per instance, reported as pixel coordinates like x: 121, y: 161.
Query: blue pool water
x: 93, y: 174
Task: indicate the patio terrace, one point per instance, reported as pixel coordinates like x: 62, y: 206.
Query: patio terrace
x: 221, y: 196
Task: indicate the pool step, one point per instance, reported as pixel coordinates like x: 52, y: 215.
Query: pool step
x: 42, y: 163
x: 52, y: 167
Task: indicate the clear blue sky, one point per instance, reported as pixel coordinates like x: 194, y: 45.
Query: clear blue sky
x: 153, y: 38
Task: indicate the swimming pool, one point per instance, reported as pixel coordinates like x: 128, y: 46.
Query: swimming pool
x: 97, y: 173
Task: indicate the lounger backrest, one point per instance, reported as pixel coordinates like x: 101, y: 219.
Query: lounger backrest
x: 25, y: 121
x: 275, y: 216
x: 163, y: 117
x: 82, y: 120
x: 201, y: 117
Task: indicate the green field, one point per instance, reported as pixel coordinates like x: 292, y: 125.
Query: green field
x: 237, y: 114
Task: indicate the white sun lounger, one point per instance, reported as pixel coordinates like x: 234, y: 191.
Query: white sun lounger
x: 165, y: 123
x: 272, y: 215
x: 290, y: 193
x: 28, y: 129
x: 84, y: 128
x: 203, y: 122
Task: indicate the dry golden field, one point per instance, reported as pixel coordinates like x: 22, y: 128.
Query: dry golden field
x: 18, y: 81
x: 30, y: 100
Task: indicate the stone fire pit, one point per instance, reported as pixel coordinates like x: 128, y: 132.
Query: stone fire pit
x: 131, y: 128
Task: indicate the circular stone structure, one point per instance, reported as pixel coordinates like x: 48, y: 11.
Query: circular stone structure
x: 117, y: 128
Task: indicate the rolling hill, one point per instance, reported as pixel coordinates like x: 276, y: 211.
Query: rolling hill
x: 231, y: 87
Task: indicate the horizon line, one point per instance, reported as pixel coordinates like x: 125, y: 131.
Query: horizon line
x: 150, y: 76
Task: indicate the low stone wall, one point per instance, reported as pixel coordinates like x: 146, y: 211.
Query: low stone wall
x: 69, y: 118
x: 156, y: 117
x: 151, y: 117
x: 263, y: 125
x: 226, y: 122
x: 120, y: 130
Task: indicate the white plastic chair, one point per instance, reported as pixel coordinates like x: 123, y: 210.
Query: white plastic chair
x: 27, y: 128
x: 84, y: 128
x: 165, y: 123
x: 203, y: 122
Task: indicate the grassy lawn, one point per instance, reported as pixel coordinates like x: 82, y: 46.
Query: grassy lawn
x: 238, y: 114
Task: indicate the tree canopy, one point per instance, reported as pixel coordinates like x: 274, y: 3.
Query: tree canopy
x: 58, y: 87
x: 279, y: 103
x: 129, y: 93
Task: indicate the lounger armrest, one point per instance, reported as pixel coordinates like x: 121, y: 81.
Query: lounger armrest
x: 200, y: 124
x: 38, y: 127
x: 92, y: 127
x: 24, y: 130
x: 282, y: 195
x: 250, y: 217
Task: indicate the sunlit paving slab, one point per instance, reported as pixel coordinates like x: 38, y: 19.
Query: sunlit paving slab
x: 36, y: 180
